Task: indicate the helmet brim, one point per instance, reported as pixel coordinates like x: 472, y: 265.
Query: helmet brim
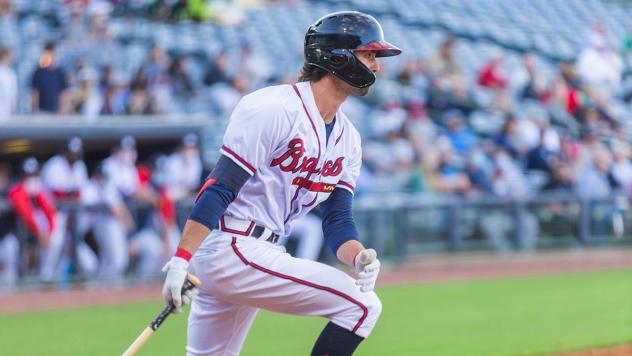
x: 382, y: 49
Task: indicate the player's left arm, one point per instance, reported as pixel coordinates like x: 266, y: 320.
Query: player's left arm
x: 339, y: 228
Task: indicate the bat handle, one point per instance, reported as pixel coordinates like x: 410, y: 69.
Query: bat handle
x: 191, y: 282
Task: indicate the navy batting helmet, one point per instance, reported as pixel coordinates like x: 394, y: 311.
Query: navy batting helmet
x: 331, y: 41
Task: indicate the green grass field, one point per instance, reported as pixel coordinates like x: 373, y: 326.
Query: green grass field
x: 519, y: 316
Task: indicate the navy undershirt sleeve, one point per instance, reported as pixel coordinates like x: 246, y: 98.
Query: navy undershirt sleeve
x: 338, y: 225
x: 213, y: 202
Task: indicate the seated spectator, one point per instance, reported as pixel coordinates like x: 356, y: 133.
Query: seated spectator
x: 217, y: 70
x: 622, y: 166
x: 179, y: 79
x: 599, y: 65
x: 443, y: 64
x: 595, y: 180
x: 460, y: 136
x: 507, y: 139
x: 48, y: 84
x: 491, y: 75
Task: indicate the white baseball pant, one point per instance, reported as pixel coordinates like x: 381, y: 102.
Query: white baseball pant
x: 241, y: 274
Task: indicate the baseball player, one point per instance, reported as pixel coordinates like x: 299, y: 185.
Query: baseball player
x: 287, y: 148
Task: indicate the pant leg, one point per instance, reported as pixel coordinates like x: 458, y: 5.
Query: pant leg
x: 110, y: 235
x: 86, y: 259
x: 249, y: 272
x: 149, y: 247
x: 9, y: 257
x: 50, y: 257
x: 216, y: 327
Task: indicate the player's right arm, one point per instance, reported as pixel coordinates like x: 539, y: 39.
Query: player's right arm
x: 252, y: 135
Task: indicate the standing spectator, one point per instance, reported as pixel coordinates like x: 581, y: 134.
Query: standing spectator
x: 49, y: 83
x: 8, y: 85
x: 34, y: 207
x: 9, y: 246
x: 86, y: 99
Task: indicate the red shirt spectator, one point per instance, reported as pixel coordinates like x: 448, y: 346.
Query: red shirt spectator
x: 490, y: 75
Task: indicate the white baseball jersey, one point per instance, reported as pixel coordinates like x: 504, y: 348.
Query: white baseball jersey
x: 282, y: 143
x: 59, y: 176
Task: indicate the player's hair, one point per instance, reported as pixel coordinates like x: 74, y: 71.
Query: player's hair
x: 311, y: 73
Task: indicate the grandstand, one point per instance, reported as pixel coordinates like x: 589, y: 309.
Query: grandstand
x: 449, y: 174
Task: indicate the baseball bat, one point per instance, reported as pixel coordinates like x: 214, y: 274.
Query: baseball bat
x: 191, y: 282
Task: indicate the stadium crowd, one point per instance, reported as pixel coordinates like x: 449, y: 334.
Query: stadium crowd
x: 505, y: 132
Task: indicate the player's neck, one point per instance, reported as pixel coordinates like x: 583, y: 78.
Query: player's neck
x: 328, y: 97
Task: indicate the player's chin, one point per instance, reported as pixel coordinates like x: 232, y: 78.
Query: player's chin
x: 360, y: 91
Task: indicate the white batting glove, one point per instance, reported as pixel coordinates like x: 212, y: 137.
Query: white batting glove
x: 368, y: 267
x: 176, y: 270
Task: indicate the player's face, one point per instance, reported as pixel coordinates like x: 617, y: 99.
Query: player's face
x: 370, y: 61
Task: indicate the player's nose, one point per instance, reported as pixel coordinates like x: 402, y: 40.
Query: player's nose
x: 375, y: 67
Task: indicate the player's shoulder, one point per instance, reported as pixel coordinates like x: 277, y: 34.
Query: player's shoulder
x: 269, y: 99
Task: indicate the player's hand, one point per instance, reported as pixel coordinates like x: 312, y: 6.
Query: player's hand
x: 176, y: 270
x: 368, y: 268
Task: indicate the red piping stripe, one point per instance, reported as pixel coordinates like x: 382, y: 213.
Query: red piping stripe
x: 243, y: 259
x: 209, y: 182
x: 339, y: 137
x: 241, y: 160
x: 346, y: 185
x: 242, y: 233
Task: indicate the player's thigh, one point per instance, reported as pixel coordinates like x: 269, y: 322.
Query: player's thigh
x: 279, y: 282
x: 217, y: 327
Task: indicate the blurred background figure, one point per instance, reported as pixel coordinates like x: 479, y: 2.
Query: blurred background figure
x: 9, y: 245
x: 35, y: 209
x: 109, y: 220
x: 48, y: 84
x: 8, y: 85
x: 308, y: 233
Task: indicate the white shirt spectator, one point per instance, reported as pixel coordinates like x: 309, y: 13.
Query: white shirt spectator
x: 600, y: 67
x: 8, y: 92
